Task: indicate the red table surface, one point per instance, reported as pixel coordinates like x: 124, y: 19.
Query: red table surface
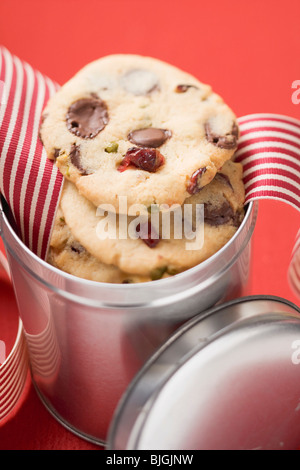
x: 249, y: 53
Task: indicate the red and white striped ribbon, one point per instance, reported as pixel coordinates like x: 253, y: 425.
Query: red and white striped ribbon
x: 28, y: 180
x: 14, y: 367
x: 13, y: 373
x: 269, y: 149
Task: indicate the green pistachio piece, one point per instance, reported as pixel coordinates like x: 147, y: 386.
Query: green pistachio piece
x: 154, y: 208
x: 112, y: 147
x: 158, y: 273
x: 172, y: 271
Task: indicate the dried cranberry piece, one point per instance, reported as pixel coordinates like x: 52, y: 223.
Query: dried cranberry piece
x: 183, y: 88
x: 148, y: 159
x: 193, y: 186
x: 145, y: 231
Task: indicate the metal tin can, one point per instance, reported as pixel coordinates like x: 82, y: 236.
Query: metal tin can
x: 88, y: 340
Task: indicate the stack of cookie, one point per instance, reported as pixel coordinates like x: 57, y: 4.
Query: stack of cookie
x: 138, y: 142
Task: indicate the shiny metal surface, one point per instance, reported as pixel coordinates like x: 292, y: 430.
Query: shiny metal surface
x: 88, y: 340
x: 228, y: 379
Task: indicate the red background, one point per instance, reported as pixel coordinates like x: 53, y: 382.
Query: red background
x: 248, y: 51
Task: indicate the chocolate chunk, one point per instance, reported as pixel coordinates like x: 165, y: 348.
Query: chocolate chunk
x: 220, y: 215
x: 149, y: 137
x: 75, y: 158
x: 227, y: 141
x: 223, y: 179
x: 184, y: 88
x: 140, y: 82
x: 77, y: 248
x: 56, y: 153
x: 194, y: 183
x: 87, y: 117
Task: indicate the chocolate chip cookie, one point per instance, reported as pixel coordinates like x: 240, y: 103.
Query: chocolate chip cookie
x: 134, y: 126
x: 146, y: 249
x: 67, y: 254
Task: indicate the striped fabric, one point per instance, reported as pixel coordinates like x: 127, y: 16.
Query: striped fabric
x: 269, y: 150
x: 13, y: 373
x: 14, y: 368
x: 28, y: 180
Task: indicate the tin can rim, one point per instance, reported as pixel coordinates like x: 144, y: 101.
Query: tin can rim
x: 252, y: 210
x: 142, y: 379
